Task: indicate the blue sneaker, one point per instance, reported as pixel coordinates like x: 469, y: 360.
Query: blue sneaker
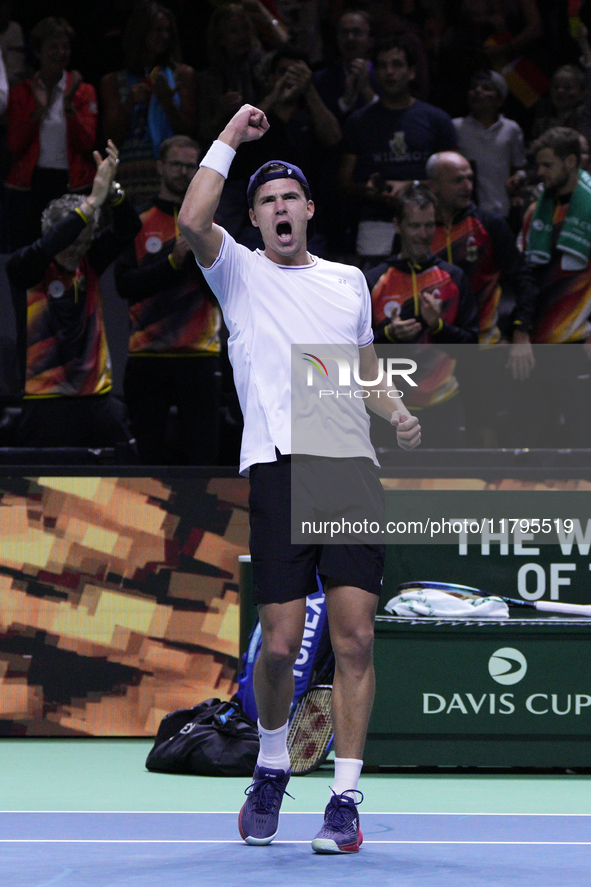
x: 257, y: 821
x: 340, y: 832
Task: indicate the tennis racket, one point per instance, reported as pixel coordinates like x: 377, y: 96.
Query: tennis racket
x: 464, y: 591
x: 310, y: 734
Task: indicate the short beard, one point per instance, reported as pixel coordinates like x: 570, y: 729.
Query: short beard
x: 557, y: 186
x: 178, y: 191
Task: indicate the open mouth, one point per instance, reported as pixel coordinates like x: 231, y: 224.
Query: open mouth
x: 284, y: 232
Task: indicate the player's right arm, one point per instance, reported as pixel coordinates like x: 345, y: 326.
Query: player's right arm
x: 196, y: 216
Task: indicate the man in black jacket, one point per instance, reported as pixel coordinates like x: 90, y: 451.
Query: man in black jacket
x: 65, y: 364
x: 419, y: 299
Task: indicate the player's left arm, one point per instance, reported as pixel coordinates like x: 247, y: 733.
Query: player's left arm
x: 408, y: 430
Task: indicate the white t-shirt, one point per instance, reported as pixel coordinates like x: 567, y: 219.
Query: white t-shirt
x: 267, y: 309
x: 53, y: 147
x: 496, y: 151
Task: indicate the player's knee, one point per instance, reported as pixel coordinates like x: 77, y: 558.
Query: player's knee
x: 281, y: 649
x: 354, y: 648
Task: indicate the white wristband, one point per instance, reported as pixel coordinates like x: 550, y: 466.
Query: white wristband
x: 219, y: 158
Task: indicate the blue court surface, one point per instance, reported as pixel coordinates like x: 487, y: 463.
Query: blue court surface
x: 86, y: 813
x: 157, y: 849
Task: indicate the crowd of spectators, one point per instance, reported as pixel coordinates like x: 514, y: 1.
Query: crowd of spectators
x: 446, y: 145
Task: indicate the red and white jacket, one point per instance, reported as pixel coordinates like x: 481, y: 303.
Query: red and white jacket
x: 23, y: 135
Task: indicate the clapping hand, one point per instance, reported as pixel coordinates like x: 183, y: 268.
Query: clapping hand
x: 104, y: 176
x: 294, y: 82
x: 404, y: 330
x: 430, y: 307
x: 356, y: 81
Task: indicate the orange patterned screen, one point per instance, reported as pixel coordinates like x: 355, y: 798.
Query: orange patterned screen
x: 118, y: 600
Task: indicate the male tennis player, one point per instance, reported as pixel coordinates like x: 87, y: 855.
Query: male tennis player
x: 271, y: 299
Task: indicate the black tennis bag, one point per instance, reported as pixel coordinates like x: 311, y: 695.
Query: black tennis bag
x: 213, y: 739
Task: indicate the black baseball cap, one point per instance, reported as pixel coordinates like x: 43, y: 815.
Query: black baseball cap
x: 283, y: 171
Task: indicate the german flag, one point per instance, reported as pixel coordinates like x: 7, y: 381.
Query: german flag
x: 525, y: 80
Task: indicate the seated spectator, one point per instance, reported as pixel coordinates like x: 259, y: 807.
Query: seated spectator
x: 492, y: 143
x: 420, y: 299
x: 386, y: 145
x: 149, y: 100
x: 349, y: 84
x: 51, y: 131
x: 174, y: 342
x: 65, y: 363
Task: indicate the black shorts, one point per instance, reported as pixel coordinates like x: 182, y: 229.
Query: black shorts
x: 284, y: 572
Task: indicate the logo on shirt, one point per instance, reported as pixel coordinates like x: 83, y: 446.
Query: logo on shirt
x: 398, y: 146
x: 56, y: 289
x: 471, y: 250
x: 391, y: 309
x: 153, y: 244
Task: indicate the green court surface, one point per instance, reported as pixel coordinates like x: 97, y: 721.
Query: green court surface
x: 109, y: 775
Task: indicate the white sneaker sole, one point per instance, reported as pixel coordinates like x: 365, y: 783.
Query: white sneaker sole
x: 327, y: 845
x: 259, y: 842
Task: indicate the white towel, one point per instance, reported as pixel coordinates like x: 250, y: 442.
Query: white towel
x: 430, y: 602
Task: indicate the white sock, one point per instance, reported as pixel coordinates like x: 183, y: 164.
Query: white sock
x: 273, y: 748
x: 346, y: 775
